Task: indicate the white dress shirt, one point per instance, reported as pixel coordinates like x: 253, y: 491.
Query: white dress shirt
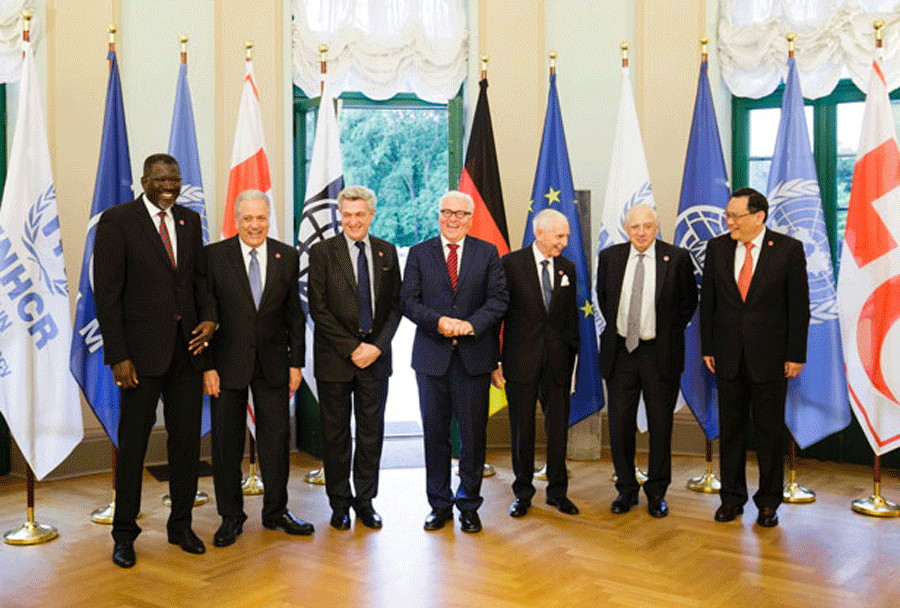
x: 740, y: 253
x: 354, y: 263
x: 538, y: 258
x: 446, y: 250
x: 169, y: 219
x: 648, y: 296
x: 260, y: 257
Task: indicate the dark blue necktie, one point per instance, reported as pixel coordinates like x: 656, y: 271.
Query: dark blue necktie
x: 365, y: 293
x: 545, y: 283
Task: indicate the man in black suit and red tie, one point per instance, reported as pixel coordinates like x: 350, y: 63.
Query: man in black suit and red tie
x: 647, y: 293
x: 149, y: 282
x: 754, y: 318
x: 259, y: 346
x: 354, y: 299
x: 540, y: 342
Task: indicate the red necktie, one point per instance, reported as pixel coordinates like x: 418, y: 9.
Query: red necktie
x: 746, y: 274
x: 452, y: 264
x: 164, y: 235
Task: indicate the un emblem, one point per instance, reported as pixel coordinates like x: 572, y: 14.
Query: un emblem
x: 696, y: 225
x: 320, y: 220
x: 795, y: 208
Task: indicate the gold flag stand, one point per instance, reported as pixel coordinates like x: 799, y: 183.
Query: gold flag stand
x: 794, y: 493
x: 876, y: 505
x: 706, y: 483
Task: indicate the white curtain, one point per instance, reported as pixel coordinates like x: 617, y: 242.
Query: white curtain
x: 11, y: 37
x: 835, y: 39
x: 382, y: 47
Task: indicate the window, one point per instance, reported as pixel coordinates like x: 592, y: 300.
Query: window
x: 408, y: 151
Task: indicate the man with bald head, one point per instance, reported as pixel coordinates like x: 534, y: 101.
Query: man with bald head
x: 540, y: 341
x: 647, y: 294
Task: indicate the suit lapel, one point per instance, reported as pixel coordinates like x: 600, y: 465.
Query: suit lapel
x: 342, y: 257
x: 465, y: 264
x: 617, y: 278
x: 377, y: 261
x: 766, y: 253
x: 730, y: 246
x: 662, y: 267
x: 272, y: 261
x: 238, y: 268
x: 529, y: 267
x: 437, y: 251
x: 151, y: 229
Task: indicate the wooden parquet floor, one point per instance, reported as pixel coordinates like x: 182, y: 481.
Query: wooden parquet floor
x: 821, y: 555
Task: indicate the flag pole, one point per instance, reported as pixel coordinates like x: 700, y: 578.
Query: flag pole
x: 317, y: 476
x: 793, y: 492
x: 876, y: 505
x: 31, y: 532
x: 251, y: 485
x: 706, y: 483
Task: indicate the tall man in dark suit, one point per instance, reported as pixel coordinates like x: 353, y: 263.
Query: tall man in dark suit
x: 540, y: 342
x: 354, y: 299
x: 455, y: 292
x: 754, y: 318
x: 149, y: 284
x: 259, y: 345
x: 647, y: 294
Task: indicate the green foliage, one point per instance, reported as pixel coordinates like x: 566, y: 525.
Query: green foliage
x: 402, y: 155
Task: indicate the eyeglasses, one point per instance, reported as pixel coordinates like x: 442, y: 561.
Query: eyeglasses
x: 736, y: 216
x: 460, y: 215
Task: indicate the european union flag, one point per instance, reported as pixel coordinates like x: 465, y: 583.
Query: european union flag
x: 183, y: 146
x: 701, y: 216
x: 817, y: 402
x: 553, y: 188
x: 113, y: 186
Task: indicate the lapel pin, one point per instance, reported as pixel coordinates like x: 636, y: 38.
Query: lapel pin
x: 181, y: 222
x: 560, y: 272
x: 381, y: 254
x: 771, y: 243
x: 277, y: 256
x: 665, y: 258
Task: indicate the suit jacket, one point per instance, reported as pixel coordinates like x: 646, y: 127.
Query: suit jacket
x: 674, y: 301
x: 532, y: 334
x: 275, y: 334
x: 480, y: 298
x: 767, y: 329
x: 334, y: 306
x: 139, y: 296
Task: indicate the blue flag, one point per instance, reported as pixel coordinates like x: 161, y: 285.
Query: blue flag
x: 183, y: 146
x: 553, y: 188
x: 701, y: 216
x: 113, y: 186
x: 817, y: 402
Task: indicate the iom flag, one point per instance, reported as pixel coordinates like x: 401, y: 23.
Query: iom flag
x: 183, y: 146
x: 817, y: 403
x: 112, y: 186
x: 701, y: 216
x: 553, y: 188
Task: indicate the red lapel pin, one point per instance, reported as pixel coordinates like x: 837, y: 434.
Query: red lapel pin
x: 181, y: 222
x: 277, y: 256
x: 381, y: 254
x: 665, y: 258
x: 771, y: 243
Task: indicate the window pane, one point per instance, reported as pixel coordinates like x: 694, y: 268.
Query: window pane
x: 849, y: 126
x: 764, y: 130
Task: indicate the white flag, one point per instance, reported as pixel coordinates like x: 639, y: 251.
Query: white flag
x: 38, y: 395
x: 869, y: 280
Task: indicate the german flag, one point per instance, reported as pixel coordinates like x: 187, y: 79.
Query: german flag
x: 480, y: 179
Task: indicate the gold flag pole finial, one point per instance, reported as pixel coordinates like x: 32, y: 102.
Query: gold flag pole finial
x: 323, y: 58
x: 112, y: 36
x: 248, y: 47
x: 879, y: 40
x: 790, y: 38
x: 553, y: 55
x: 26, y: 26
x: 703, y: 44
x: 624, y: 47
x: 184, y: 41
x: 484, y: 62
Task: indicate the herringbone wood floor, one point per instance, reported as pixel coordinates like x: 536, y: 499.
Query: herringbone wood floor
x: 822, y: 554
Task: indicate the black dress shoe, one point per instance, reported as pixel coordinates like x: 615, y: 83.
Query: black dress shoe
x: 369, y: 517
x: 340, y: 519
x: 123, y: 554
x: 657, y: 507
x: 519, y: 507
x: 469, y: 521
x: 437, y: 518
x: 290, y: 524
x: 728, y: 512
x: 623, y: 504
x: 767, y: 517
x: 187, y: 540
x: 228, y: 531
x: 563, y: 504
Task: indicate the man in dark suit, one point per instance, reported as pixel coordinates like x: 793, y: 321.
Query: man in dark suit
x: 754, y: 318
x: 254, y: 297
x: 354, y: 299
x: 540, y: 342
x: 647, y: 294
x: 455, y: 292
x: 150, y: 285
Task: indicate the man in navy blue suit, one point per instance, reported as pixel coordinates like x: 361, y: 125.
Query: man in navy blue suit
x: 454, y: 290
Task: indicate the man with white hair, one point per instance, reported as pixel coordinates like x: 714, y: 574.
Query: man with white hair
x: 455, y: 292
x: 540, y: 342
x: 647, y: 293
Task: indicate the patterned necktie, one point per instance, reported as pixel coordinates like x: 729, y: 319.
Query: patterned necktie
x: 365, y: 293
x: 452, y: 264
x: 255, y: 278
x: 164, y: 235
x: 633, y: 336
x: 545, y: 283
x: 746, y: 274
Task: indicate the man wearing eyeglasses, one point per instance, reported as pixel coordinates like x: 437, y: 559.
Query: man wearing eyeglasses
x: 454, y: 290
x: 754, y: 317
